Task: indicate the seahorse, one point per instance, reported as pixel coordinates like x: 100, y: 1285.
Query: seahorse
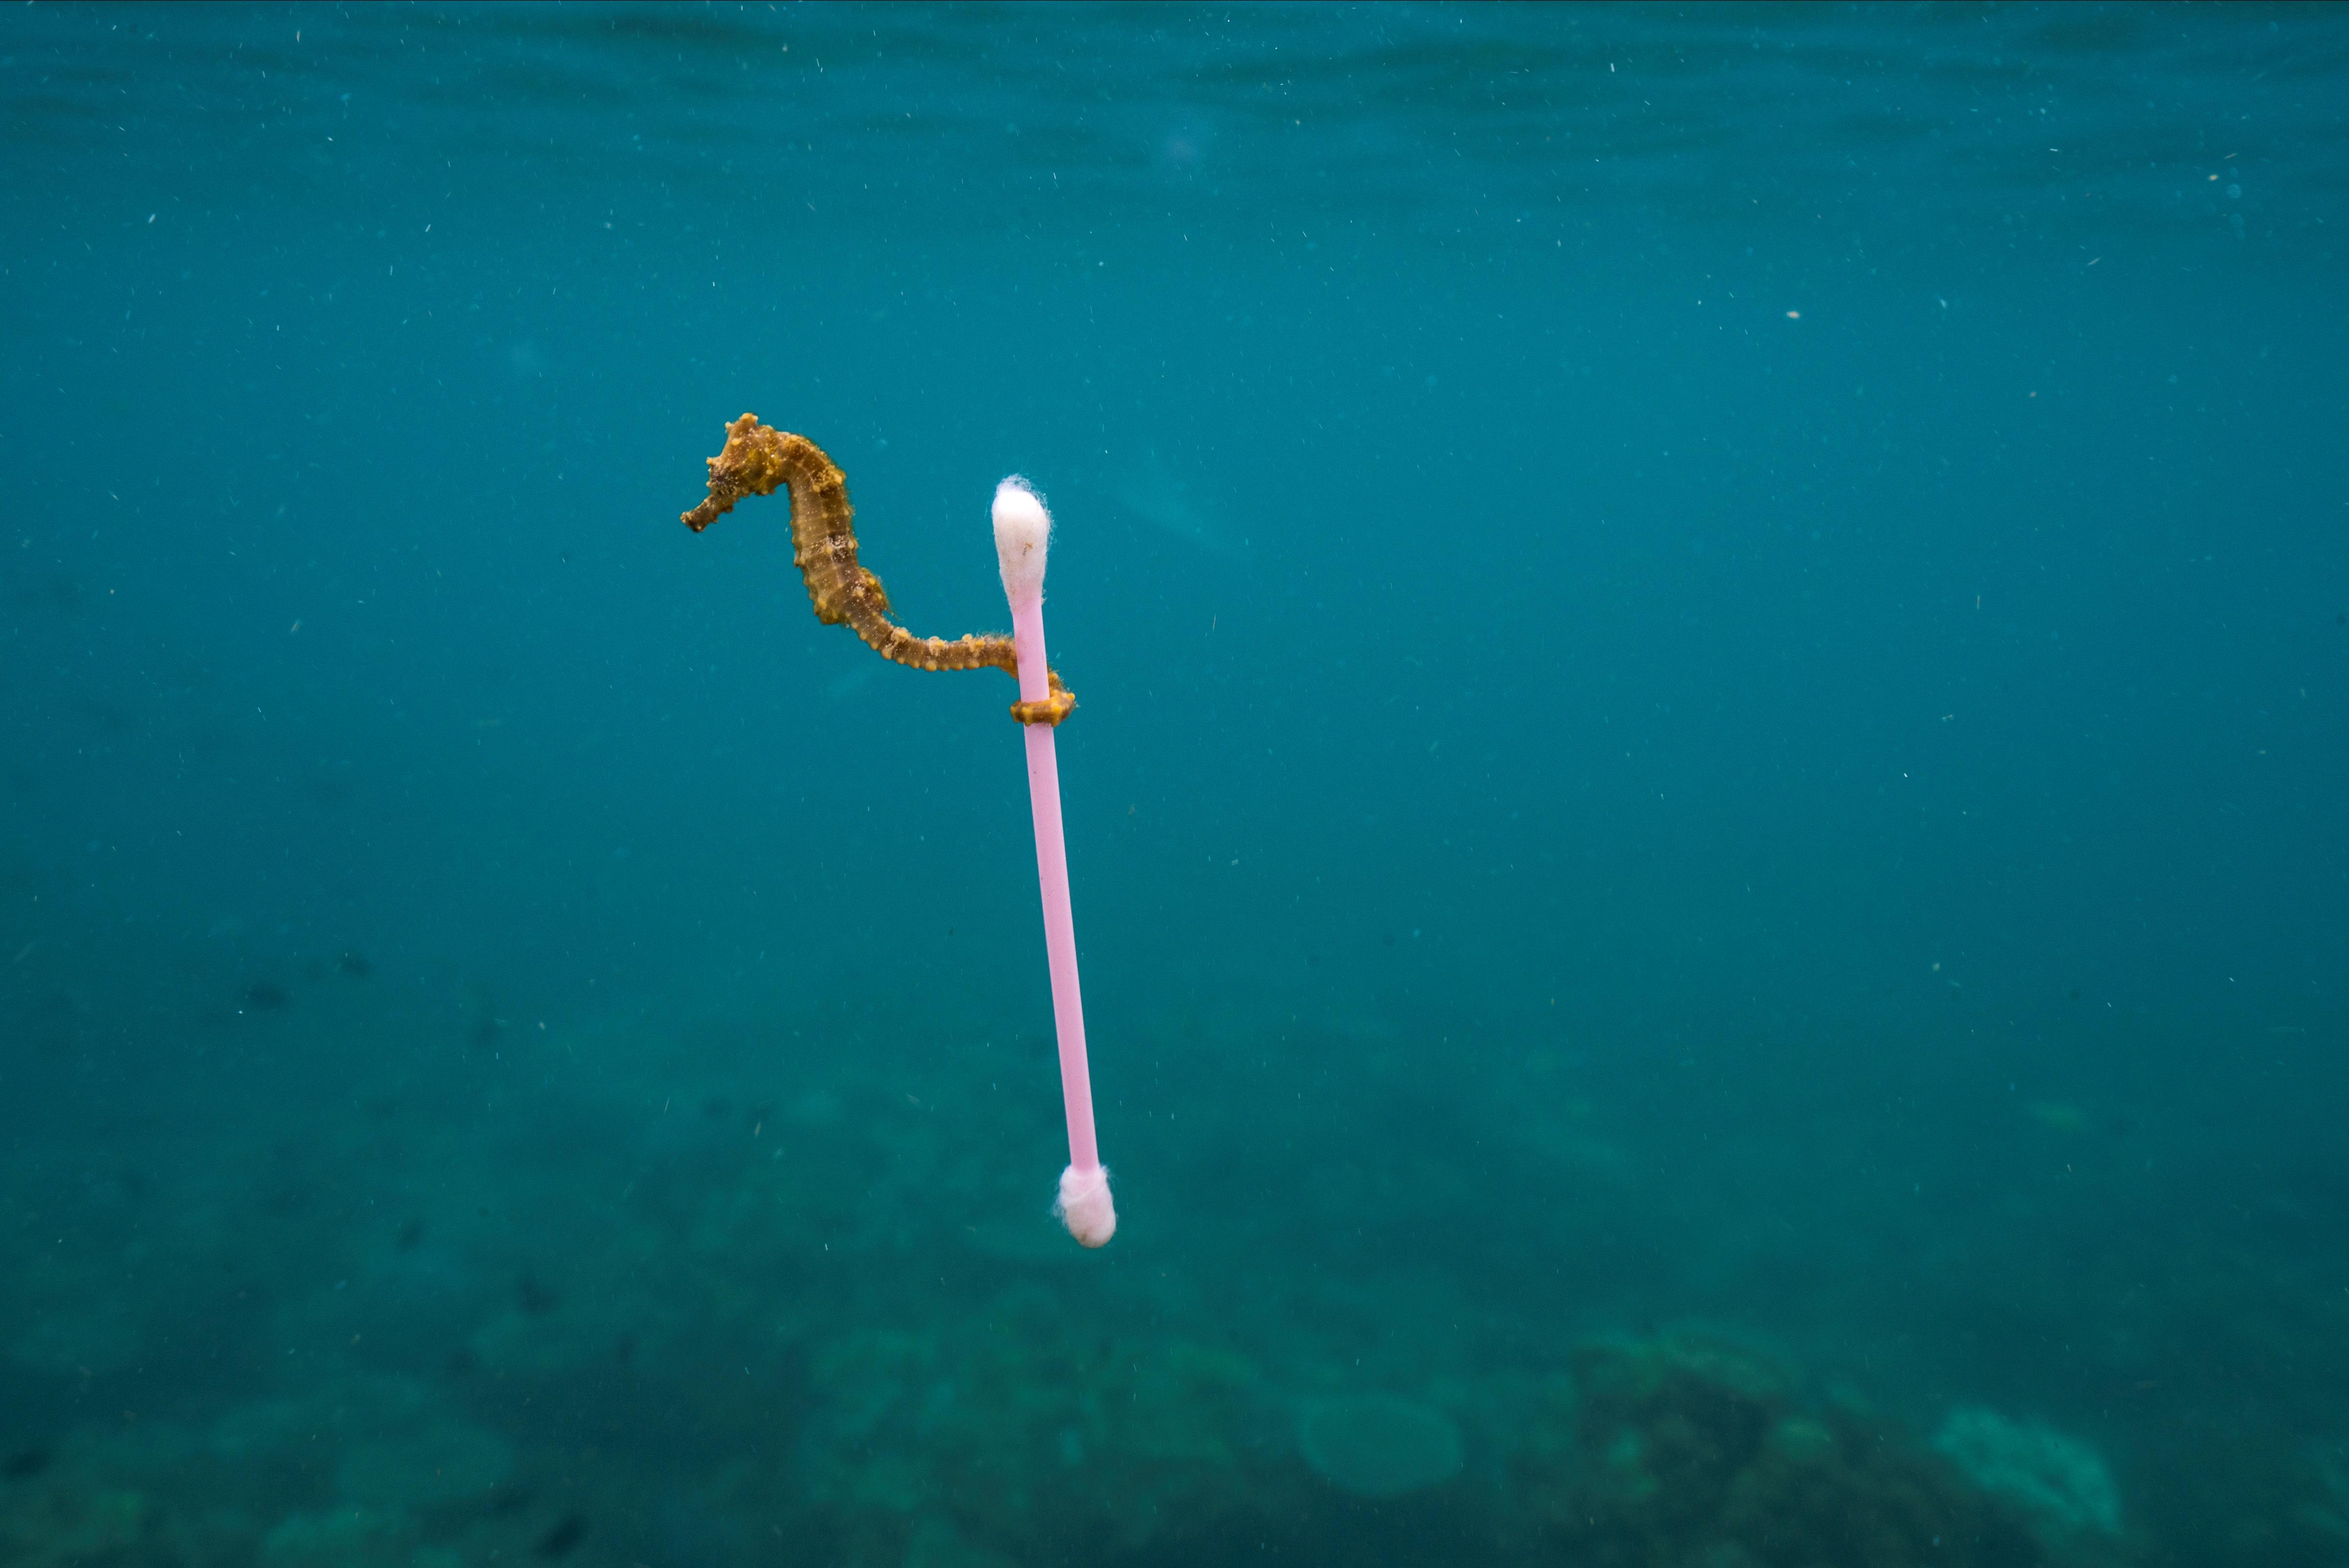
x: 758, y: 459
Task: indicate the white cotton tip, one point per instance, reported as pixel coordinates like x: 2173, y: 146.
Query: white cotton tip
x: 1085, y: 1207
x: 1023, y: 529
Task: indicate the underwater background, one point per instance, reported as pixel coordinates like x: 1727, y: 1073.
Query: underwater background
x: 1706, y: 811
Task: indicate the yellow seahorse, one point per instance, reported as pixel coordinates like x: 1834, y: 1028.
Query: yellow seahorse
x: 757, y: 460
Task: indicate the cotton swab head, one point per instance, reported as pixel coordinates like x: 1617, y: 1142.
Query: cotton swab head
x: 1084, y: 1206
x: 1022, y: 530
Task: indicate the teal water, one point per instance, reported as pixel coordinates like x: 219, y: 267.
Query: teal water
x: 1706, y: 812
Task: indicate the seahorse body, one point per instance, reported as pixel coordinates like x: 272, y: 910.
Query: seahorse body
x: 757, y: 461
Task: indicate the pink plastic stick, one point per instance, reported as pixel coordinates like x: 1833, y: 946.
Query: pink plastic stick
x: 1085, y: 1203
x: 1052, y: 874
